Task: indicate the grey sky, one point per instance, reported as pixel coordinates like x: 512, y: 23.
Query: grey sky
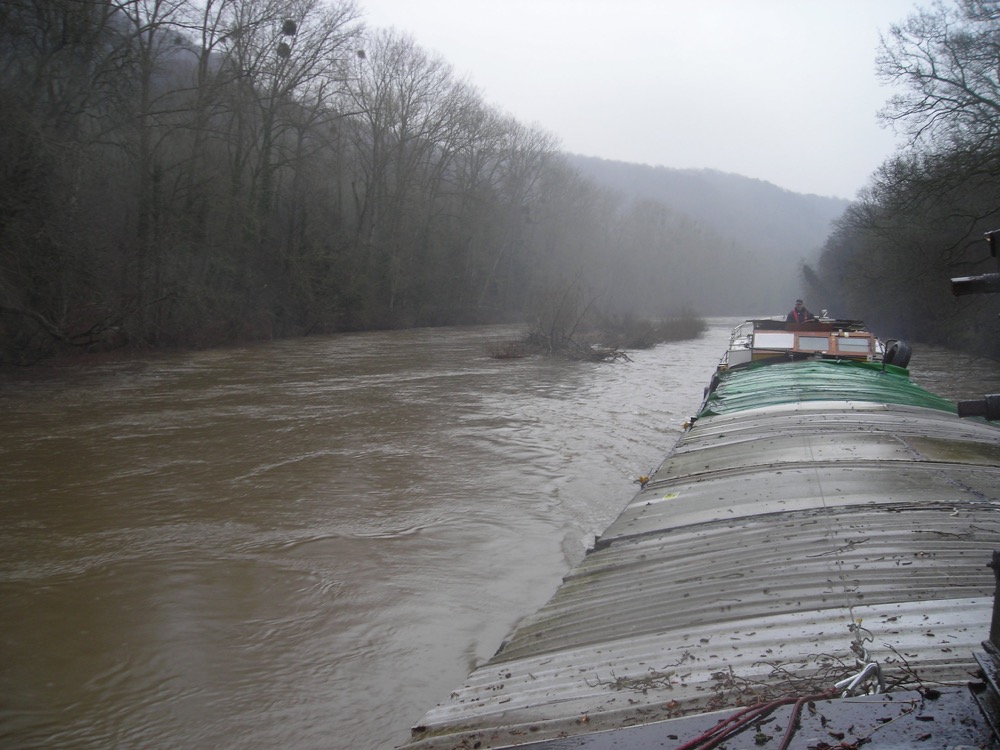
x: 779, y: 90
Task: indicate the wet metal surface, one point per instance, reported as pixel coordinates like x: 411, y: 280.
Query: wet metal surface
x: 902, y: 720
x: 761, y: 560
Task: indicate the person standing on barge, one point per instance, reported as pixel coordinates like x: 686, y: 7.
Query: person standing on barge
x: 799, y: 313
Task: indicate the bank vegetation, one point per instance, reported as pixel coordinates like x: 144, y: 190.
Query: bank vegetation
x: 922, y: 219
x: 193, y: 173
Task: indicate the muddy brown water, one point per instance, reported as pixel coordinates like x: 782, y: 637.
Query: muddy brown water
x: 307, y: 544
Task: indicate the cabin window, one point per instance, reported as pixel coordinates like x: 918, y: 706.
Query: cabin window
x: 858, y: 345
x: 772, y: 340
x: 813, y: 343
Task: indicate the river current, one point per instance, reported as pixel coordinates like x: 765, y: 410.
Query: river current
x: 308, y: 543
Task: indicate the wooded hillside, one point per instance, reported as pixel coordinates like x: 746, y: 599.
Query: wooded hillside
x: 766, y: 233
x: 191, y: 173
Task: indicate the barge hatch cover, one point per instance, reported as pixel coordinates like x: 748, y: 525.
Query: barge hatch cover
x: 776, y: 550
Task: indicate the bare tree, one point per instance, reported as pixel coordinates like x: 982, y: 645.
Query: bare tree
x: 198, y: 171
x: 408, y: 124
x: 945, y: 61
x: 59, y: 78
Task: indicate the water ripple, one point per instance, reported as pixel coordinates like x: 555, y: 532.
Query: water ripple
x: 303, y: 544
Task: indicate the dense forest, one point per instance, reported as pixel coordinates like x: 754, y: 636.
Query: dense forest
x: 199, y: 172
x: 195, y: 172
x: 922, y: 219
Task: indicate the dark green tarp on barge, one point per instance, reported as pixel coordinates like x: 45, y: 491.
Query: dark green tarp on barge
x: 761, y: 385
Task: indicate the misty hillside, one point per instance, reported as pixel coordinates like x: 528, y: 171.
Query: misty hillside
x: 208, y: 187
x: 769, y: 232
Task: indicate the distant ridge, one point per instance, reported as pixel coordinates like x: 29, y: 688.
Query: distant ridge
x: 770, y: 228
x: 775, y: 220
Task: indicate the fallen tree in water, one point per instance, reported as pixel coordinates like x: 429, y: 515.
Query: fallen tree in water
x: 607, y: 341
x: 568, y: 323
x: 573, y: 348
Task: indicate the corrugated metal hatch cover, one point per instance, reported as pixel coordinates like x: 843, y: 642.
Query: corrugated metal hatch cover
x: 777, y: 550
x: 903, y: 720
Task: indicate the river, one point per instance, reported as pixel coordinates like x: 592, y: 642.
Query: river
x: 308, y: 543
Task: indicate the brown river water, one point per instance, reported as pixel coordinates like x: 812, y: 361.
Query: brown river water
x: 307, y: 544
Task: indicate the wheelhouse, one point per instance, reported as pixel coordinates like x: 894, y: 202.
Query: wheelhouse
x: 758, y: 340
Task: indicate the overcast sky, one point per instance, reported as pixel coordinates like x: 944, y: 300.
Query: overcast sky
x: 779, y: 90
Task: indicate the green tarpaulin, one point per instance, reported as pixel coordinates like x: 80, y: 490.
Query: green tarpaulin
x: 760, y: 384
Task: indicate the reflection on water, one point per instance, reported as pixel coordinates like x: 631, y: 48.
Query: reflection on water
x: 307, y: 544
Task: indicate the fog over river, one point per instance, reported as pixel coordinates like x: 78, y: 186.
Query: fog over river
x: 308, y: 543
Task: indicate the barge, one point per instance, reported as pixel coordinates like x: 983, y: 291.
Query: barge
x: 808, y: 567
